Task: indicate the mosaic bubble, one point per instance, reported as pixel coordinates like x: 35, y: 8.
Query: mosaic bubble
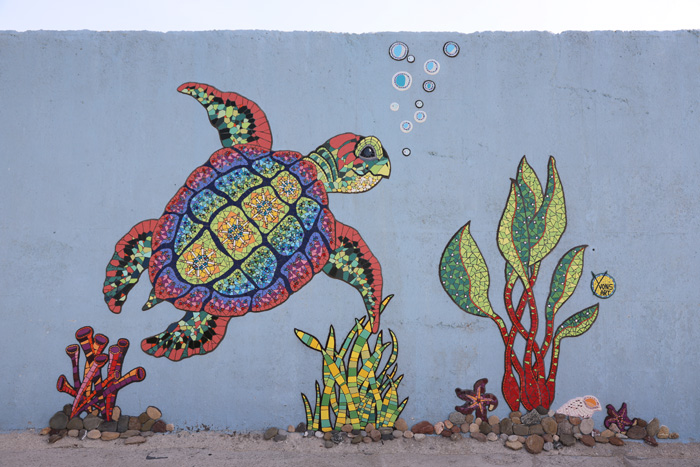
x: 451, y: 49
x: 419, y: 104
x: 406, y: 126
x: 411, y: 59
x: 398, y: 50
x: 431, y: 67
x: 401, y: 81
x: 394, y: 106
x: 420, y: 116
x: 406, y: 152
x: 428, y: 85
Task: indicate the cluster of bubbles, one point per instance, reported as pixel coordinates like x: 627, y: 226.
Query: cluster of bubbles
x: 403, y: 80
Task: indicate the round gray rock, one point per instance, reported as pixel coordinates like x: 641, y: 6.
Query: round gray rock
x: 59, y: 421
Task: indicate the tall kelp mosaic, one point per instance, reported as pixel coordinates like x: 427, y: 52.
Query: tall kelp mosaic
x: 250, y: 227
x: 532, y: 224
x: 356, y: 389
x: 95, y: 392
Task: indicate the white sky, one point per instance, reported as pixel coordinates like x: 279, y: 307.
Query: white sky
x: 355, y: 16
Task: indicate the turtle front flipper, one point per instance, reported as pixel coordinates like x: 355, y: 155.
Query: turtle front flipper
x: 352, y: 261
x: 196, y: 333
x: 238, y: 120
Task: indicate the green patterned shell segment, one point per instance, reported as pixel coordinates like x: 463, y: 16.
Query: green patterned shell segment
x: 564, y: 280
x: 464, y: 274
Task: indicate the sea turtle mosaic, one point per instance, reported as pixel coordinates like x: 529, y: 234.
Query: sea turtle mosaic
x: 250, y: 227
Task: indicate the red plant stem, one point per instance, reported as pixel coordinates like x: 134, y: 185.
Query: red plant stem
x: 84, y: 396
x: 73, y: 352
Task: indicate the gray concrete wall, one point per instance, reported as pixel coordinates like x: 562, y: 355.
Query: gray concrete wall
x: 94, y: 138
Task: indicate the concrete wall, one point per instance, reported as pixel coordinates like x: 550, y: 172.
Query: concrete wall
x: 94, y: 138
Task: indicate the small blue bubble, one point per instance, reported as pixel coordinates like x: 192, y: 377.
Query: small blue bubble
x: 419, y: 104
x: 398, y: 50
x: 406, y: 152
x: 420, y: 116
x: 411, y: 59
x: 406, y: 126
x: 432, y: 67
x: 428, y: 85
x: 451, y: 49
x: 401, y: 80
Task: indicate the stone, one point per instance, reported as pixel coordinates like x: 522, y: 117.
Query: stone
x: 541, y: 410
x: 438, y: 427
x: 73, y: 433
x: 485, y: 428
x: 446, y: 433
x: 419, y: 436
x: 116, y: 413
x: 94, y: 434
x: 82, y: 434
x: 588, y: 440
x: 577, y: 429
x: 134, y: 423
x: 513, y: 438
x: 397, y: 434
x: 376, y: 435
x: 385, y: 430
x: 469, y: 419
x: 663, y: 432
x: 270, y: 433
x: 363, y: 433
x: 356, y: 432
x: 45, y: 431
x: 356, y: 440
x: 328, y: 444
x: 143, y: 418
x: 59, y: 421
x: 496, y: 428
x: 290, y: 429
x: 159, y: 427
x: 457, y: 418
x: 674, y: 435
x: 559, y: 417
x: 514, y: 445
x: 492, y: 437
x: 130, y: 433
x: 536, y: 430
x: 109, y: 435
x: 515, y: 413
x: 148, y: 425
x: 587, y: 426
x: 493, y: 420
x: 91, y: 422
x: 522, y: 439
x: 153, y: 413
x: 55, y: 437
x: 615, y: 441
x: 327, y: 435
x: 640, y: 422
x: 548, y: 438
x: 575, y: 421
x: 448, y: 424
x: 534, y: 444
x: 135, y: 440
x: 548, y: 446
x: 577, y: 435
x: 516, y: 420
x: 464, y: 428
x: 108, y: 426
x: 347, y: 428
x: 368, y: 440
x: 506, y: 426
x: 455, y: 436
x: 636, y: 432
x: 607, y: 434
x: 653, y: 427
x: 601, y: 439
x: 479, y: 437
x: 549, y: 425
x: 401, y: 425
x: 521, y: 430
x: 565, y: 428
x: 621, y: 435
x: 567, y: 440
x: 280, y: 437
x: 530, y: 418
x: 478, y: 420
x: 67, y: 409
x: 613, y: 427
x: 555, y: 438
x: 300, y: 428
x: 75, y: 423
x: 408, y: 434
x: 318, y: 434
x: 424, y: 427
x: 123, y: 424
x: 456, y: 429
x: 370, y: 427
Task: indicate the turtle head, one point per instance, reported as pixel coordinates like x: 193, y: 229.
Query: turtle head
x: 351, y: 163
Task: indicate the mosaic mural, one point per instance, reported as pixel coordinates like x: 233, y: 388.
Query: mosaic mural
x: 356, y: 390
x: 94, y: 392
x: 250, y: 227
x: 531, y: 225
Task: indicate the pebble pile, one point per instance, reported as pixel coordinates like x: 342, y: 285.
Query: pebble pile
x: 535, y: 431
x: 134, y: 430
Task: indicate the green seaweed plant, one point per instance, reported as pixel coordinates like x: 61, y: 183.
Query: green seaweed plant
x: 531, y: 226
x: 355, y: 391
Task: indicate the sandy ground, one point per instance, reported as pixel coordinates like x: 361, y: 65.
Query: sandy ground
x: 221, y: 449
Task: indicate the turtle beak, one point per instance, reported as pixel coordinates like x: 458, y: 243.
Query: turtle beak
x: 382, y: 168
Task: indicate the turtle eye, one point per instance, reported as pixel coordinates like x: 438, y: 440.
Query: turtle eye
x: 368, y: 153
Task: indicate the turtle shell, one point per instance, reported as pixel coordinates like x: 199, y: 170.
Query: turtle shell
x: 248, y: 228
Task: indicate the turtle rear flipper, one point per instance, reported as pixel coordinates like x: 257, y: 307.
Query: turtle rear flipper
x: 131, y: 256
x: 196, y: 333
